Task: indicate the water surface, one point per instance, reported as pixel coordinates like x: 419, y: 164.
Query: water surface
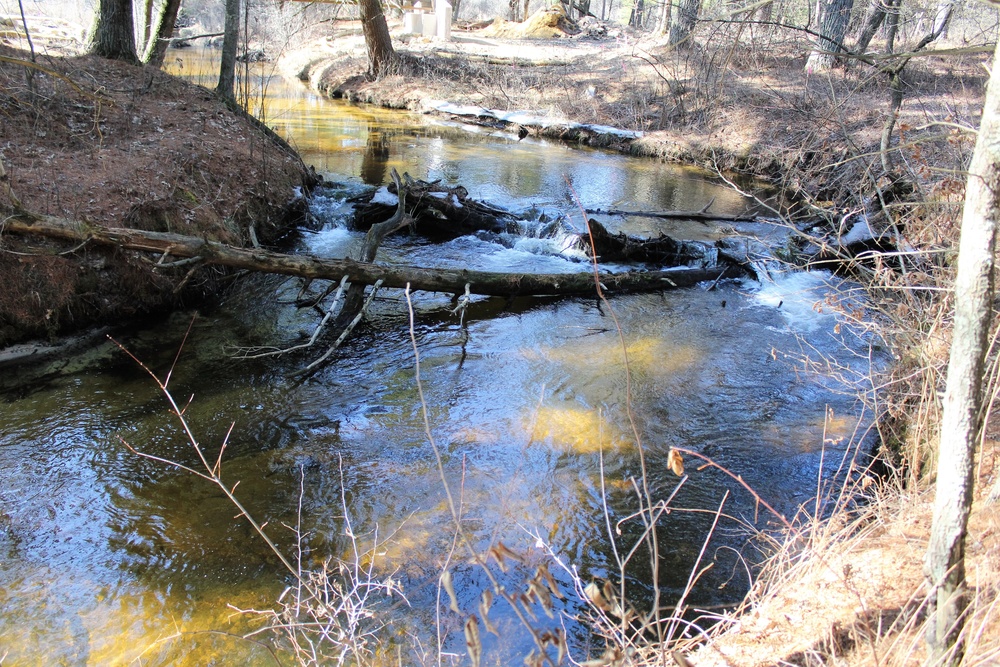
x: 111, y: 558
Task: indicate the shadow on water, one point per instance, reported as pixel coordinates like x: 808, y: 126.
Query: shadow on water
x: 106, y: 557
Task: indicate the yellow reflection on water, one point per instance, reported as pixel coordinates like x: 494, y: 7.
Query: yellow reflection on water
x: 144, y: 627
x: 812, y: 432
x: 211, y: 632
x: 603, y: 356
x: 578, y: 430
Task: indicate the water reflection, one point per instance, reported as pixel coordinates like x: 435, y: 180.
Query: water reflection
x: 345, y: 141
x: 373, y: 165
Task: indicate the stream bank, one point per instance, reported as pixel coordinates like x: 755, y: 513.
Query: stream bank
x: 115, y: 145
x: 757, y: 114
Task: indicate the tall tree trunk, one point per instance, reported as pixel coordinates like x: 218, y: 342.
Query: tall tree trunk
x: 892, y: 26
x: 163, y: 29
x: 962, y: 415
x: 833, y: 21
x: 873, y: 21
x: 684, y: 21
x: 377, y: 41
x: 663, y: 18
x: 635, y: 19
x: 230, y: 41
x: 113, y: 34
x: 147, y: 21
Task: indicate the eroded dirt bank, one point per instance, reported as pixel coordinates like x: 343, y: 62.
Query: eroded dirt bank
x: 110, y: 144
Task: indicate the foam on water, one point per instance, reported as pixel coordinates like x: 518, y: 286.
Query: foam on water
x: 801, y: 298
x: 331, y: 242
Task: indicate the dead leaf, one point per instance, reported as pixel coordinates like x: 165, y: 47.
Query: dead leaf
x: 543, y: 572
x: 593, y: 593
x: 484, y: 610
x: 472, y: 641
x: 676, y: 462
x: 502, y: 553
x: 449, y: 587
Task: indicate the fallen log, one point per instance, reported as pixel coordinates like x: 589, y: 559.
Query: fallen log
x: 305, y: 266
x: 437, y: 211
x: 660, y: 250
x: 678, y: 215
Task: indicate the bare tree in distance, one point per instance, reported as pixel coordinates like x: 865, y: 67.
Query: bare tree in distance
x: 683, y: 21
x: 833, y: 20
x: 159, y: 32
x: 381, y: 55
x: 230, y: 41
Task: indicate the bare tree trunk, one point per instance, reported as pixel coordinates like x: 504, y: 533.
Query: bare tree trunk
x: 663, y: 18
x: 635, y: 19
x: 873, y: 21
x: 833, y: 27
x: 114, y: 31
x: 161, y: 32
x: 684, y: 21
x: 230, y: 42
x: 377, y: 41
x: 962, y: 415
x: 892, y: 26
x: 147, y: 22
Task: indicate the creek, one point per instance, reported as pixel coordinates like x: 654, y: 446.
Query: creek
x: 109, y: 558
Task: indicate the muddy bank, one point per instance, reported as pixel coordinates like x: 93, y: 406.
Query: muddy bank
x: 114, y: 145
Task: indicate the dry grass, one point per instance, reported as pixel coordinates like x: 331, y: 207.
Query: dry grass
x: 851, y: 590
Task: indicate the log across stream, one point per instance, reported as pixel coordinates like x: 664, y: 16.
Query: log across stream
x: 431, y: 210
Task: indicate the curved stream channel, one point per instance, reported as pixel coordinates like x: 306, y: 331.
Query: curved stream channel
x: 108, y: 558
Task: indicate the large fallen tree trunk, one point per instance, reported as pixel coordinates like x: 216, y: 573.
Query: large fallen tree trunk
x: 662, y: 249
x: 437, y: 211
x: 305, y: 266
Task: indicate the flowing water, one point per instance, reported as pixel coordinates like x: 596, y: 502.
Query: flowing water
x: 110, y: 558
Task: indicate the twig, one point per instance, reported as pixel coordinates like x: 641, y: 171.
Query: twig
x: 343, y: 335
x: 315, y: 335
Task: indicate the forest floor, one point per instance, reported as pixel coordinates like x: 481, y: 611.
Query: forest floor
x: 105, y: 143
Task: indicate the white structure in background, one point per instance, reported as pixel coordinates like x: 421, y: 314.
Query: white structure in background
x: 442, y: 9
x: 427, y: 22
